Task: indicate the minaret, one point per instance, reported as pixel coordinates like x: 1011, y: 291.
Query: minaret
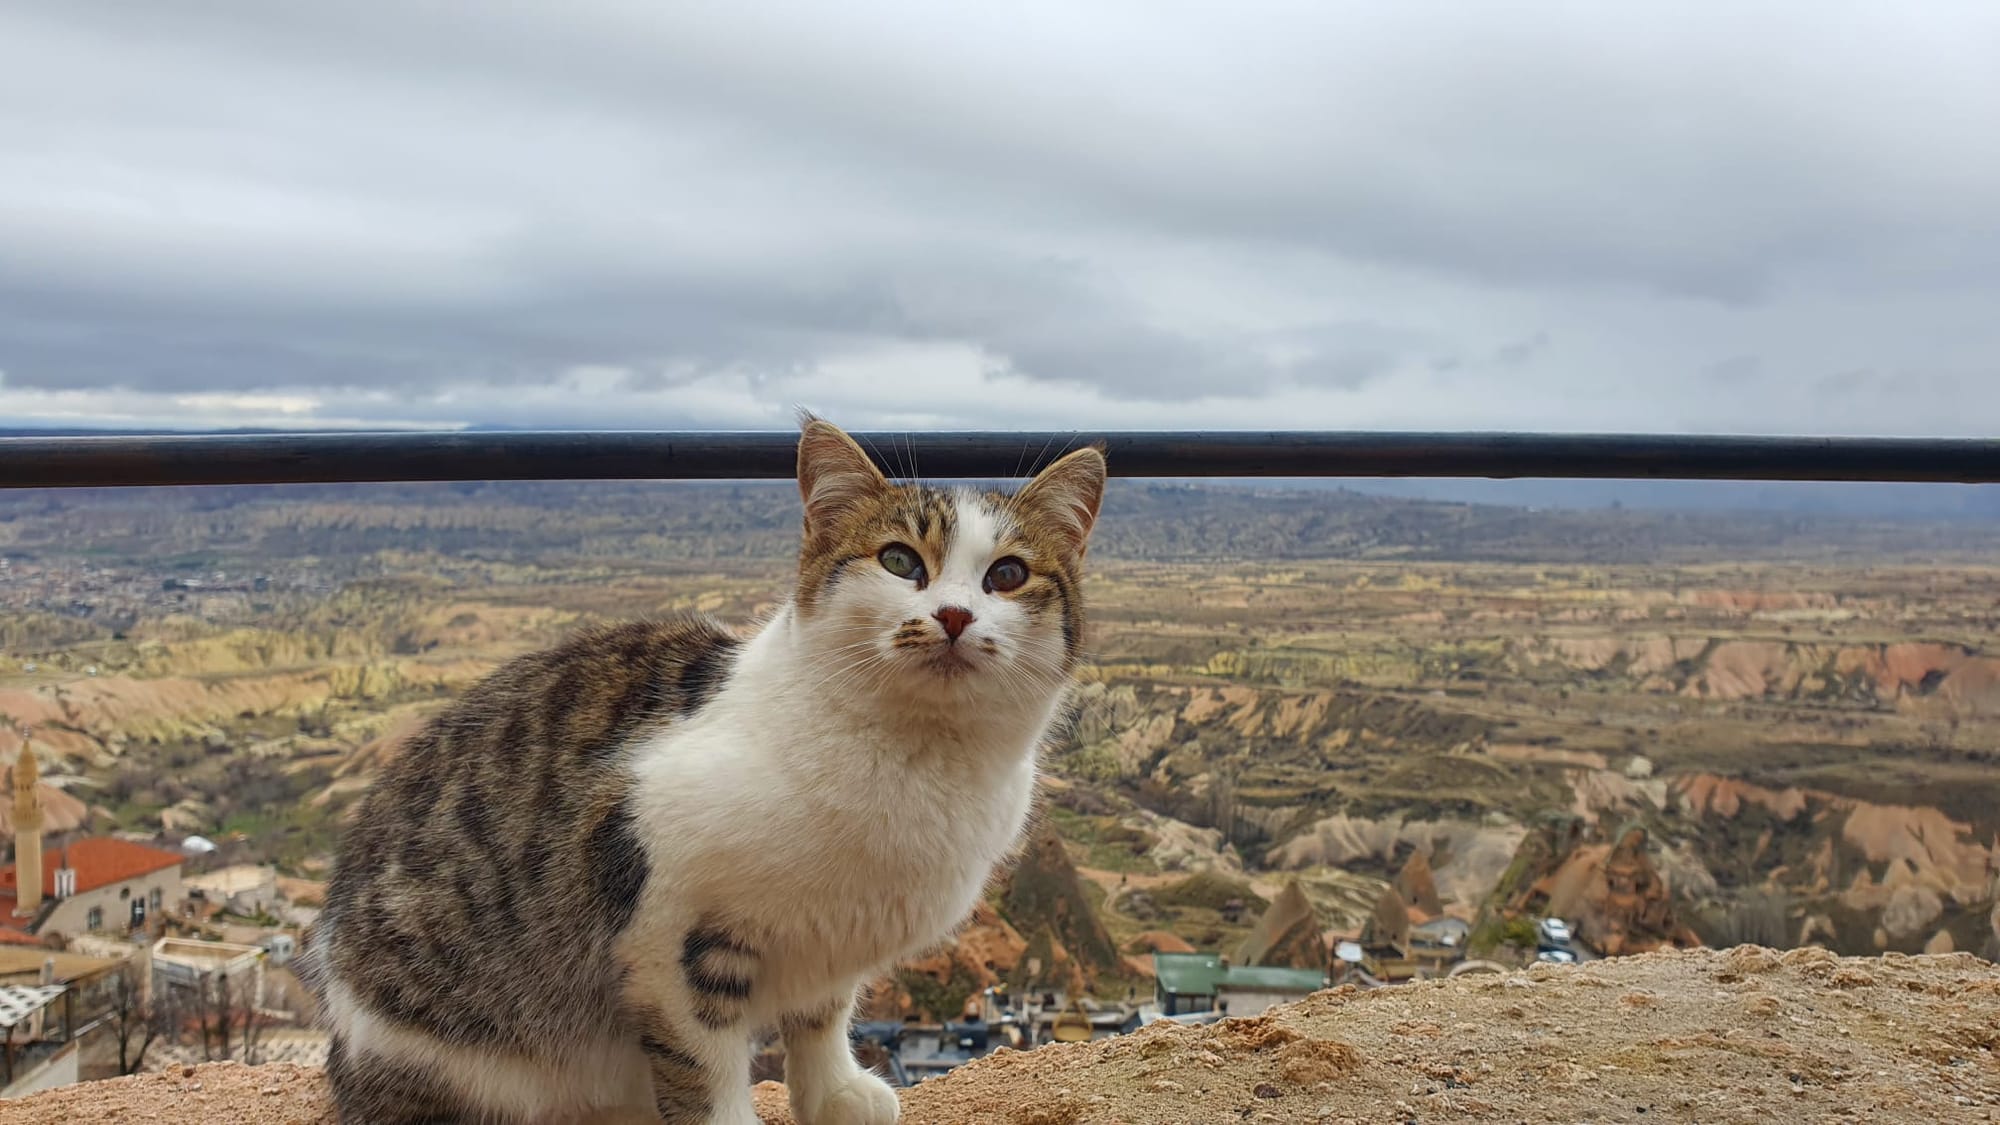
x: 27, y: 833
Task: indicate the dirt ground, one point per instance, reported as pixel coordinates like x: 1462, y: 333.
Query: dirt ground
x: 1743, y: 1035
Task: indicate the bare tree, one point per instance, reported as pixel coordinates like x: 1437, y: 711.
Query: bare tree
x: 221, y: 1009
x: 249, y: 1018
x: 231, y: 1022
x: 206, y: 1008
x: 197, y: 1001
x: 171, y: 1009
x: 135, y: 1017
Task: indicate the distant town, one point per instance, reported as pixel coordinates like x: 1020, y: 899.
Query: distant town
x: 128, y: 593
x: 121, y: 953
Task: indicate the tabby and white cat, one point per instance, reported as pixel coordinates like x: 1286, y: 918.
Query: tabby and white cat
x: 583, y: 888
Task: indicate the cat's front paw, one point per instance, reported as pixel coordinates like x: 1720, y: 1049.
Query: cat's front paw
x: 858, y: 1099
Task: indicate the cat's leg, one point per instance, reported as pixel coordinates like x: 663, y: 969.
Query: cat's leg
x: 375, y: 1090
x: 825, y: 1083
x: 700, y: 1076
x: 385, y: 1073
x: 688, y: 1004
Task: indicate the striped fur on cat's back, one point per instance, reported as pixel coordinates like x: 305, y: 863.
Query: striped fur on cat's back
x: 582, y: 888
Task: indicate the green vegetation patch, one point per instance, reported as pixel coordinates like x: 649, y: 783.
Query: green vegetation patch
x: 1210, y: 891
x: 1106, y: 842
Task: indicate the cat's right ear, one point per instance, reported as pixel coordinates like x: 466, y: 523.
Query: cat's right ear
x: 1070, y: 491
x: 835, y: 475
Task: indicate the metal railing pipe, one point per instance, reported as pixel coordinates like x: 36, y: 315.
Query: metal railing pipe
x: 295, y: 458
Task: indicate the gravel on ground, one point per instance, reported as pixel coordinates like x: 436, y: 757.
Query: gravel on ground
x: 1742, y: 1035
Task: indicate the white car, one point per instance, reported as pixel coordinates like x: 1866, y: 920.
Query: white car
x: 1555, y: 931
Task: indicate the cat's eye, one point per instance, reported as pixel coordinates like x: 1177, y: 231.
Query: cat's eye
x: 1009, y: 573
x: 902, y: 562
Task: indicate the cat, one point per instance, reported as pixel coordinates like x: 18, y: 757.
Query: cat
x: 584, y: 887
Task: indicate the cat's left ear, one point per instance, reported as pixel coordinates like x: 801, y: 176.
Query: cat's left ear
x: 835, y: 475
x: 1070, y: 491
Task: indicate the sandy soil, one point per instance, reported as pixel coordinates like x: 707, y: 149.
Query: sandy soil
x: 1744, y: 1035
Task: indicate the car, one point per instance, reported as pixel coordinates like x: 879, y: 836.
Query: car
x: 1556, y: 957
x: 1555, y: 932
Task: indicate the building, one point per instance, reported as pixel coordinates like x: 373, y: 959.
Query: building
x: 1443, y: 932
x: 1439, y: 943
x: 1206, y: 982
x: 40, y: 1053
x: 92, y: 885
x: 77, y: 1017
x: 21, y: 965
x: 186, y: 965
x: 280, y: 947
x: 244, y: 889
x: 62, y: 816
x: 30, y: 818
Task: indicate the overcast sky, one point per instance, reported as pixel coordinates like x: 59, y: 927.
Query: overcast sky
x: 1573, y: 216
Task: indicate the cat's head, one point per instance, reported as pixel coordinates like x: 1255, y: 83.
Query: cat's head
x: 908, y: 585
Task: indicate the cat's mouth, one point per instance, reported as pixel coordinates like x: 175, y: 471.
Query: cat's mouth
x: 949, y: 660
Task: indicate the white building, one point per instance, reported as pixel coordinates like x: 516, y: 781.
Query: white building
x: 40, y: 1052
x: 186, y: 964
x: 244, y: 889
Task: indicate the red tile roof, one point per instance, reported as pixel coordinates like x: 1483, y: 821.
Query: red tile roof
x: 10, y: 936
x: 98, y: 862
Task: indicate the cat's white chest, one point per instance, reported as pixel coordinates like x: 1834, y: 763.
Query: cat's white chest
x: 839, y: 860
x: 897, y: 872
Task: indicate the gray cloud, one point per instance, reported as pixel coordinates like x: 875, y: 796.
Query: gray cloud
x: 1522, y: 351
x: 1282, y: 214
x: 1734, y: 370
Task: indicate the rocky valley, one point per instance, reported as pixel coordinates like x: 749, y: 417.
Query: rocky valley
x: 1307, y: 714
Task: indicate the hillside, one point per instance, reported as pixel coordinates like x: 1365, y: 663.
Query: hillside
x: 1803, y: 745
x: 568, y: 523
x: 1811, y: 740
x: 1746, y: 1035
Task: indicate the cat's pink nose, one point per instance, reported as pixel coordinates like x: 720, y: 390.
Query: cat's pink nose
x: 954, y: 619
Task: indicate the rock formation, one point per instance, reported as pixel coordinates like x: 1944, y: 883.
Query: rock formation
x: 1388, y: 929
x: 1418, y: 886
x: 1044, y: 899
x: 1610, y: 892
x: 1636, y: 913
x: 1287, y: 935
x: 985, y: 952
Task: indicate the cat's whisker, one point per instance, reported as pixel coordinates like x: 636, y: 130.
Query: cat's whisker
x: 1049, y: 673
x: 1039, y: 661
x: 886, y: 462
x: 880, y: 676
x: 1038, y: 463
x: 852, y: 646
x: 845, y: 670
x: 830, y: 676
